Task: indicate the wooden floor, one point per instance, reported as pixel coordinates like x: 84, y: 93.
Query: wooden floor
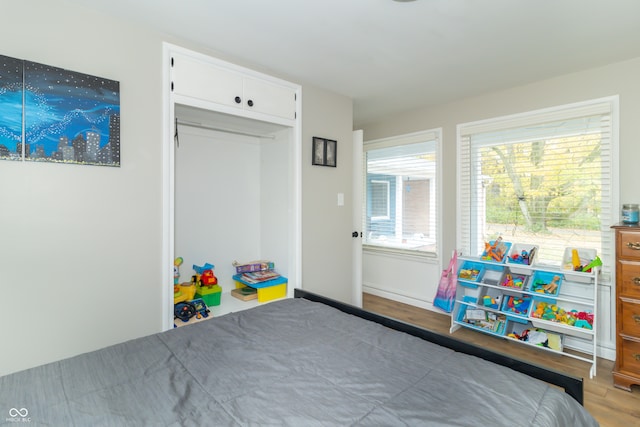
x: 612, y: 407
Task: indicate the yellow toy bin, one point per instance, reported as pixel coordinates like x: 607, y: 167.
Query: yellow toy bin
x: 210, y: 294
x: 268, y: 290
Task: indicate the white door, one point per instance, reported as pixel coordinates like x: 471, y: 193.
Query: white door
x: 357, y: 217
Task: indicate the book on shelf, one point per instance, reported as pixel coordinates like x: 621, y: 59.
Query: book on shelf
x: 259, y: 276
x: 252, y: 266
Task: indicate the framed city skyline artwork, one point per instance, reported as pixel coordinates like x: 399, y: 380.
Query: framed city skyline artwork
x: 50, y: 114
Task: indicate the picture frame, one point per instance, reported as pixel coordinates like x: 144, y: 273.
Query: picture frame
x: 324, y: 152
x: 78, y: 115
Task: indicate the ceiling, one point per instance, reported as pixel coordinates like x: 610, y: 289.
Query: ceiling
x: 391, y: 56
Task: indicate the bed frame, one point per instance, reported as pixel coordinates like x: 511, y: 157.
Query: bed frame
x: 573, y: 386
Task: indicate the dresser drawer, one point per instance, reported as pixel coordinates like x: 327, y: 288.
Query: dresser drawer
x: 629, y: 245
x: 630, y: 318
x: 629, y: 355
x: 629, y: 279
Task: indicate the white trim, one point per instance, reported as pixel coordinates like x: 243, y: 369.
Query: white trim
x: 405, y: 139
x: 609, y: 104
x: 169, y: 99
x: 434, y: 135
x: 577, y: 109
x: 167, y: 191
x: 402, y: 298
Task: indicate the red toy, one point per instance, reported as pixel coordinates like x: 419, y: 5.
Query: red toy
x: 208, y: 278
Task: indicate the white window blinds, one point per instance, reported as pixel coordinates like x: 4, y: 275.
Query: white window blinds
x: 542, y: 178
x: 400, y: 181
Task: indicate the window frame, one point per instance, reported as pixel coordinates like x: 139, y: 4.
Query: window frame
x: 429, y: 135
x: 536, y: 117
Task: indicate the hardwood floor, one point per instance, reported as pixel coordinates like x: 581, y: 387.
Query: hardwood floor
x: 612, y: 407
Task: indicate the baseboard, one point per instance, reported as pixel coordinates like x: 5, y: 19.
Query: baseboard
x: 402, y: 298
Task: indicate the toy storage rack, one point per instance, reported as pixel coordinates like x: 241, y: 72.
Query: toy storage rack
x: 576, y: 290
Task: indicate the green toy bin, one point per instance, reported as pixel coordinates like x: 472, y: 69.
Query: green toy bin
x: 210, y: 294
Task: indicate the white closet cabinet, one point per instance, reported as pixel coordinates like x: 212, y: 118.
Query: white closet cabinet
x: 233, y: 172
x: 209, y: 80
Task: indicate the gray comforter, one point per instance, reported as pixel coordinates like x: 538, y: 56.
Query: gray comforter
x: 291, y: 362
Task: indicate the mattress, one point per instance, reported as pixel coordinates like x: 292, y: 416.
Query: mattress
x: 291, y: 362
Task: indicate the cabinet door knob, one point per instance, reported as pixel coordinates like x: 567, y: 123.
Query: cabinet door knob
x: 636, y: 318
x: 636, y: 280
x: 635, y: 246
x: 636, y: 356
x: 238, y: 100
x: 250, y: 103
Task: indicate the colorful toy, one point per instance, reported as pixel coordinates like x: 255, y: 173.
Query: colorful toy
x: 494, y: 251
x: 577, y: 266
x: 184, y: 311
x: 553, y: 313
x: 523, y: 257
x: 469, y: 274
x: 181, y: 292
x: 575, y: 259
x: 596, y: 262
x: 490, y: 301
x: 176, y: 270
x: 512, y: 281
x: 208, y: 278
x: 200, y: 270
x: 542, y: 287
x: 517, y: 305
x: 204, y: 275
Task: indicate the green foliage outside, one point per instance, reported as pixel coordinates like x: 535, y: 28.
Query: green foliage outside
x: 544, y: 184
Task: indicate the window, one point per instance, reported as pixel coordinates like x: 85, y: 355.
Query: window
x: 380, y: 198
x: 543, y: 178
x: 401, y: 192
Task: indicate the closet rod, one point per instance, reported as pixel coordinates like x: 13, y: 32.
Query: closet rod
x: 218, y: 129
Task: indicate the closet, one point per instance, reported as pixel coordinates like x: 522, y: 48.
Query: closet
x: 232, y: 172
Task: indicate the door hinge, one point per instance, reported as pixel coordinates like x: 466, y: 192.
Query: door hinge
x: 172, y: 61
x: 171, y: 86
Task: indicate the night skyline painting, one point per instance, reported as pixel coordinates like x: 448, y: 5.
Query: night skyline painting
x: 69, y: 117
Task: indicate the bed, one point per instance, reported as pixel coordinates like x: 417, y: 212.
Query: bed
x: 303, y: 361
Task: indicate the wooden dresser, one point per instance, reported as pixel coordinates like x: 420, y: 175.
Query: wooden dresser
x: 626, y: 371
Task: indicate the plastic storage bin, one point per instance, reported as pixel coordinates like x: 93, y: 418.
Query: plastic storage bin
x: 523, y: 254
x: 493, y: 274
x: 546, y: 283
x: 501, y: 247
x: 490, y: 298
x: 516, y: 305
x: 515, y: 331
x: 518, y: 282
x: 267, y: 290
x: 585, y: 257
x: 562, y: 316
x: 210, y: 294
x: 519, y: 264
x: 482, y: 320
x: 471, y: 271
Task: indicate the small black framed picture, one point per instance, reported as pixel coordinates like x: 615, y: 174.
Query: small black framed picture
x: 325, y: 152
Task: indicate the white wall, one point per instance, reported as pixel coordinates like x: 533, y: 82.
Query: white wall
x: 81, y: 254
x: 619, y: 78
x: 81, y: 244
x: 327, y: 227
x: 217, y: 201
